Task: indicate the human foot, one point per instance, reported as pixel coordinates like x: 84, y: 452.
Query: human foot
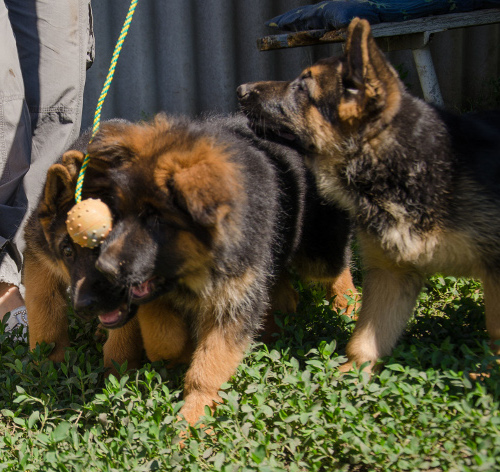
x: 12, y: 302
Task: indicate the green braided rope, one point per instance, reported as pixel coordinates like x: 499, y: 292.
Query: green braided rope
x: 105, y: 88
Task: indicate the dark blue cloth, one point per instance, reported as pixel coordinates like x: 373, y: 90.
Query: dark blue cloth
x: 334, y: 14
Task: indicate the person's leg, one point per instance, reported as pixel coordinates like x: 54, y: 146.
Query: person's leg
x: 53, y: 59
x: 53, y: 39
x: 15, y: 151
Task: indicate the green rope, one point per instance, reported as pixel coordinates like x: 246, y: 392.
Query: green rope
x: 107, y: 83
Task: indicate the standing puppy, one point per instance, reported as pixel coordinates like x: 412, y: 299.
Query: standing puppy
x: 421, y: 185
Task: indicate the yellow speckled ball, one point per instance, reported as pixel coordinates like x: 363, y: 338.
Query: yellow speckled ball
x: 89, y: 222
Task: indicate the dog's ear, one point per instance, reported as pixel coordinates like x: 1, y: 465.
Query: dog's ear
x: 61, y: 179
x: 59, y: 187
x: 205, y: 184
x: 372, y: 88
x: 206, y: 194
x: 72, y: 161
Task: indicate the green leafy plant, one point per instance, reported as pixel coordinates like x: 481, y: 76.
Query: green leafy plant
x: 286, y: 409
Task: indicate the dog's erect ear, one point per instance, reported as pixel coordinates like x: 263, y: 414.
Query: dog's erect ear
x: 372, y: 88
x: 72, y: 160
x: 61, y: 179
x: 59, y: 187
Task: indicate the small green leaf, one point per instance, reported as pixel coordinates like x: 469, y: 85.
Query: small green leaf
x: 61, y: 432
x: 34, y: 417
x: 259, y: 454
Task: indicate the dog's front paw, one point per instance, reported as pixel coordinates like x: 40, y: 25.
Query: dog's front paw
x: 194, y: 406
x: 352, y: 366
x: 57, y: 354
x: 346, y: 367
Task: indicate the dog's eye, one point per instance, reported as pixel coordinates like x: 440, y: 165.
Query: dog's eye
x: 67, y: 250
x: 303, y: 81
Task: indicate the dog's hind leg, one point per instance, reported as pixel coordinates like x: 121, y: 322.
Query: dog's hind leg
x: 491, y: 286
x: 340, y: 287
x: 219, y: 351
x: 47, y: 306
x: 388, y: 299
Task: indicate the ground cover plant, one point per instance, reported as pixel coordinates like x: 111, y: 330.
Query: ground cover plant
x: 287, y: 409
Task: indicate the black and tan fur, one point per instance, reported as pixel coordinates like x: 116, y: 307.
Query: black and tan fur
x: 207, y: 221
x: 421, y: 185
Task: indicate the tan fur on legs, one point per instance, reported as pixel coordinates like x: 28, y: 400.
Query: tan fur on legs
x: 491, y: 287
x: 389, y: 297
x: 124, y: 344
x: 218, y: 354
x: 284, y: 298
x: 341, y: 286
x: 46, y: 305
x: 492, y: 309
x: 165, y: 333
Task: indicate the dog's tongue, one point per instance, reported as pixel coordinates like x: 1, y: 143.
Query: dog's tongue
x: 140, y: 291
x: 110, y: 318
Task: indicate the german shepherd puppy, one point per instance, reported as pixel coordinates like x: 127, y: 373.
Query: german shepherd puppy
x: 208, y: 219
x: 421, y: 185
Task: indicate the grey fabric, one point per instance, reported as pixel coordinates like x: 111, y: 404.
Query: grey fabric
x: 46, y: 48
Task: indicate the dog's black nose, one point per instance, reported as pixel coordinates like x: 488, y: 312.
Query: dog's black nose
x: 243, y: 91
x: 84, y: 301
x: 85, y: 304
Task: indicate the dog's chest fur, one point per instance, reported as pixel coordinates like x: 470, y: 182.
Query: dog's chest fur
x: 401, y: 188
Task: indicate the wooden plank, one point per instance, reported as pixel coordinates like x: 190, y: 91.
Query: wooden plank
x: 301, y: 38
x: 429, y: 24
x: 438, y: 23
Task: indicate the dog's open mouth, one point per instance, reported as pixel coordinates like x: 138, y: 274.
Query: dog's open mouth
x: 142, y: 292
x: 138, y: 294
x: 118, y: 317
x: 115, y: 318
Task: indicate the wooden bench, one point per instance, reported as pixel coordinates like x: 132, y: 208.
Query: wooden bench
x: 410, y: 34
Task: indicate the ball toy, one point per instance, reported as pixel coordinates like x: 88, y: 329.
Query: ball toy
x: 89, y: 222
